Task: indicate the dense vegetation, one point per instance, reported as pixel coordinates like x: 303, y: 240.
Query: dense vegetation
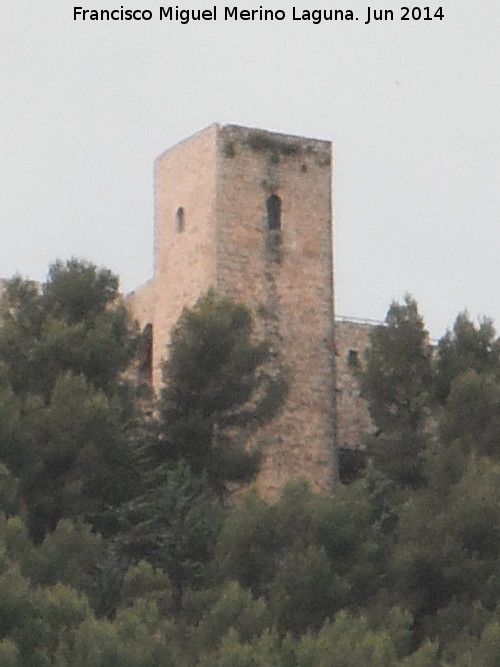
x: 118, y: 541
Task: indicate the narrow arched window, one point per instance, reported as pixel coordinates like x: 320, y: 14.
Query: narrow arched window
x: 179, y: 219
x: 273, y: 205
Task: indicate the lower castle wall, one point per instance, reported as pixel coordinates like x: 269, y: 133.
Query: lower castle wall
x: 352, y: 340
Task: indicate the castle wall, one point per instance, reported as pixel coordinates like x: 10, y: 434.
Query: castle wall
x: 286, y: 277
x: 141, y: 303
x: 185, y: 261
x: 352, y: 340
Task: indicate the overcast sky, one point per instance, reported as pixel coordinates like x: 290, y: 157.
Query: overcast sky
x: 412, y: 106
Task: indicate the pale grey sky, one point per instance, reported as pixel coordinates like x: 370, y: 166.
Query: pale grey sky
x: 413, y: 108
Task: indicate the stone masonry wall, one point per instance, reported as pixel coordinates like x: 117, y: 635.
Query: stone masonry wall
x: 141, y: 303
x: 185, y: 260
x: 352, y: 339
x: 286, y: 277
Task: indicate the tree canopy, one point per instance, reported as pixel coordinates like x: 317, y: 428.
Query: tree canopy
x: 218, y: 389
x: 119, y: 541
x: 397, y: 384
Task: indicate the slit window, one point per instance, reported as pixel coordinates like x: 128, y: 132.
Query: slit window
x: 353, y: 359
x: 273, y: 205
x: 179, y: 220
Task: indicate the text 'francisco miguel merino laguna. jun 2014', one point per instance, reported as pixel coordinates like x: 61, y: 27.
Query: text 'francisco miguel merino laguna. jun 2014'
x: 184, y: 16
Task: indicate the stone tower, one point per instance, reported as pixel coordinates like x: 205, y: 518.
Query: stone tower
x: 248, y: 212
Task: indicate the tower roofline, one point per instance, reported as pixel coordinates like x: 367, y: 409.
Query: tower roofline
x: 182, y: 142
x: 248, y: 130
x: 284, y: 135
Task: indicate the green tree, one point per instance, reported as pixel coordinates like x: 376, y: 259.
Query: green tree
x: 466, y: 347
x: 67, y: 419
x: 58, y: 611
x: 306, y: 591
x: 397, y: 383
x: 74, y: 322
x: 308, y: 554
x: 449, y: 546
x: 9, y: 492
x: 78, y: 460
x: 485, y: 651
x: 217, y: 389
x: 234, y: 609
x: 267, y: 650
x: 9, y: 654
x: 346, y: 642
x: 144, y: 582
x: 132, y: 640
x: 174, y: 526
x: 248, y: 544
x: 471, y: 415
x: 426, y: 655
x: 13, y: 450
x: 15, y: 602
x: 75, y: 556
